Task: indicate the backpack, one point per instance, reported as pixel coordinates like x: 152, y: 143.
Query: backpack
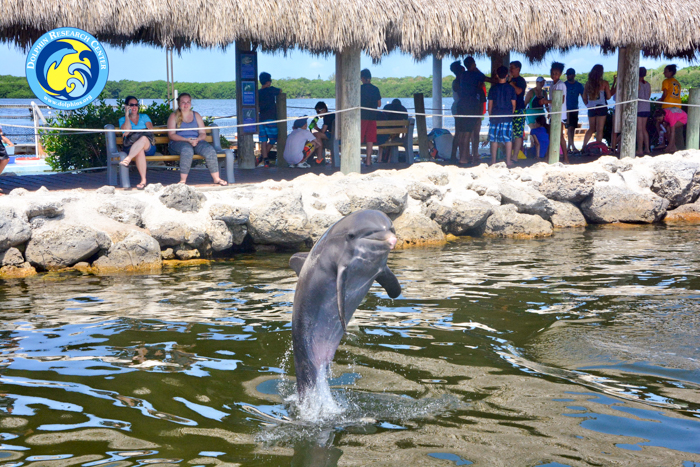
x: 597, y: 149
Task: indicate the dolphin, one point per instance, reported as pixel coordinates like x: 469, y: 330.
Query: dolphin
x: 334, y: 278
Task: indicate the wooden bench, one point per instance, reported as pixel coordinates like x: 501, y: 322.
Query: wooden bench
x: 400, y: 135
x: 115, y: 155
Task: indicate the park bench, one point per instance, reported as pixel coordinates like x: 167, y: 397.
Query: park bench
x: 400, y: 135
x: 115, y: 155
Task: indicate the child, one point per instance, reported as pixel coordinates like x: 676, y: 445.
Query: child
x: 325, y: 132
x: 301, y: 144
x: 558, y: 85
x: 502, y: 99
x: 539, y: 136
x: 674, y: 116
x: 671, y: 119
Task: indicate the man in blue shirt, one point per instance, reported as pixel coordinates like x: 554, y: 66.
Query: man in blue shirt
x: 574, y: 89
x: 267, y: 101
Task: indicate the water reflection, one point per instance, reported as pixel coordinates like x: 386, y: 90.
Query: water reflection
x: 497, y: 349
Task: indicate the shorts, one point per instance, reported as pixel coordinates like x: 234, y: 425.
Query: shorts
x: 572, y: 120
x: 501, y: 132
x: 599, y: 112
x: 328, y: 134
x: 518, y: 124
x: 268, y: 132
x: 644, y: 114
x: 368, y: 131
x: 149, y: 152
x: 675, y: 115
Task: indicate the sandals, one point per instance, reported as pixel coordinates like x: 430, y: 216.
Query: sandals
x: 221, y: 182
x: 125, y: 162
x: 140, y: 186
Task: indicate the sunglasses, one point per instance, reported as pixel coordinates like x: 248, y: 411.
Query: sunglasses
x: 133, y: 105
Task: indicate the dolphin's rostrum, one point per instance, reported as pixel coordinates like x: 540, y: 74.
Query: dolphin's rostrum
x: 334, y: 278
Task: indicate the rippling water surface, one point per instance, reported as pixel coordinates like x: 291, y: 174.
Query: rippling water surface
x: 581, y: 349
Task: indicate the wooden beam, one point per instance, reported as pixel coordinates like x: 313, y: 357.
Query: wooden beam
x: 693, y: 128
x: 421, y: 127
x: 246, y: 144
x: 350, y: 123
x: 437, y: 92
x: 555, y: 127
x: 630, y: 90
x: 281, y: 129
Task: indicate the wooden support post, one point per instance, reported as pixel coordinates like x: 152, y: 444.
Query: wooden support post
x: 421, y: 127
x: 350, y: 123
x: 437, y: 92
x: 630, y: 90
x: 499, y: 59
x: 281, y: 129
x: 693, y: 129
x: 335, y: 150
x: 246, y: 145
x: 555, y: 127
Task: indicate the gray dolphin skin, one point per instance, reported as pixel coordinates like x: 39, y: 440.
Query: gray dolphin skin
x: 334, y: 278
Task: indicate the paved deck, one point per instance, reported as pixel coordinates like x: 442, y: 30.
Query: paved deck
x: 198, y: 177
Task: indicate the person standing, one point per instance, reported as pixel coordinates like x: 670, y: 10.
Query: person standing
x: 519, y: 85
x: 267, y: 101
x: 534, y: 99
x: 643, y: 114
x: 558, y: 85
x: 675, y: 117
x: 471, y: 103
x: 574, y: 89
x: 371, y: 98
x: 502, y: 101
x: 460, y: 122
x: 596, y: 93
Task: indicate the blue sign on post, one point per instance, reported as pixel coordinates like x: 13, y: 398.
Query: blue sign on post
x: 67, y: 68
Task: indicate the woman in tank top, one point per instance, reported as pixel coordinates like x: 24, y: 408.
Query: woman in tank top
x: 596, y: 93
x: 186, y: 141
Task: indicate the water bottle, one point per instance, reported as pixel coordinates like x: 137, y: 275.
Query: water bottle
x: 313, y: 123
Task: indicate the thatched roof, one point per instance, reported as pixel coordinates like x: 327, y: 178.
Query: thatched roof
x: 417, y: 27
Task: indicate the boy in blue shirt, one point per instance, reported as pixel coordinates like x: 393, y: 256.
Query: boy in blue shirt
x: 502, y: 100
x: 267, y: 101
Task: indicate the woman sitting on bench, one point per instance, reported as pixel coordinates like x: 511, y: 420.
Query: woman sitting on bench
x: 137, y: 145
x: 186, y: 142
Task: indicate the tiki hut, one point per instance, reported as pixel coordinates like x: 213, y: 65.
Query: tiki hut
x: 377, y: 27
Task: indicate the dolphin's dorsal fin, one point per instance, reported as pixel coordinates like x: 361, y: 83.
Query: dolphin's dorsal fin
x: 340, y: 291
x: 388, y: 280
x: 297, y: 260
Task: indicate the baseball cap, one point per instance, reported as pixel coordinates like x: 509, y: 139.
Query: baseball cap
x: 299, y: 123
x: 570, y: 71
x: 540, y: 79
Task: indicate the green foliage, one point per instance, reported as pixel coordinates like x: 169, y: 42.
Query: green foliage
x: 71, y: 151
x: 14, y: 87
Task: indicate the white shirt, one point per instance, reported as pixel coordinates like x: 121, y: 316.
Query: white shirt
x: 294, y: 149
x: 560, y: 86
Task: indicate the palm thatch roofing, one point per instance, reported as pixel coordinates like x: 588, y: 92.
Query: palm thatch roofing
x: 416, y: 27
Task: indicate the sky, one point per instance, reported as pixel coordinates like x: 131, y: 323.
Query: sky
x: 147, y: 63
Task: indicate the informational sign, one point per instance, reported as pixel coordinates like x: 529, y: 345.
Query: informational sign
x: 67, y: 68
x: 247, y: 90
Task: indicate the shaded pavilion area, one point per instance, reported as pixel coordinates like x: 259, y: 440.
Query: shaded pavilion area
x: 419, y: 28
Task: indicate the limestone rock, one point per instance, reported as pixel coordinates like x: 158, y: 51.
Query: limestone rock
x: 11, y: 257
x: 279, y: 221
x: 138, y: 252
x: 688, y: 213
x: 567, y: 185
x: 232, y: 215
x: 506, y: 221
x: 124, y: 209
x: 175, y: 234
x: 45, y: 209
x: 219, y: 235
x: 64, y: 245
x: 460, y: 218
x: 168, y: 253
x: 185, y: 255
x: 182, y: 197
x: 421, y: 191
x: 567, y: 215
x: 14, y: 229
x: 17, y: 272
x: 379, y: 194
x: 613, y: 203
x: 18, y: 192
x: 677, y: 181
x: 415, y: 229
x: 105, y: 190
x: 320, y: 222
x: 152, y: 188
x: 526, y: 199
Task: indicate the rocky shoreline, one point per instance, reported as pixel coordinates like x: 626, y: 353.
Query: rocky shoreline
x: 106, y: 232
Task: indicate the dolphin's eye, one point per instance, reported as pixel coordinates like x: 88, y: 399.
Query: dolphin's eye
x: 351, y: 236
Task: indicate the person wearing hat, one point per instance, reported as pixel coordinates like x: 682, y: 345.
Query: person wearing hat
x: 4, y: 156
x: 532, y: 100
x: 574, y: 89
x: 301, y: 144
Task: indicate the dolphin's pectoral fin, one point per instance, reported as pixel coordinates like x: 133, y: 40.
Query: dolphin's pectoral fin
x: 388, y: 280
x: 297, y: 260
x: 340, y: 291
